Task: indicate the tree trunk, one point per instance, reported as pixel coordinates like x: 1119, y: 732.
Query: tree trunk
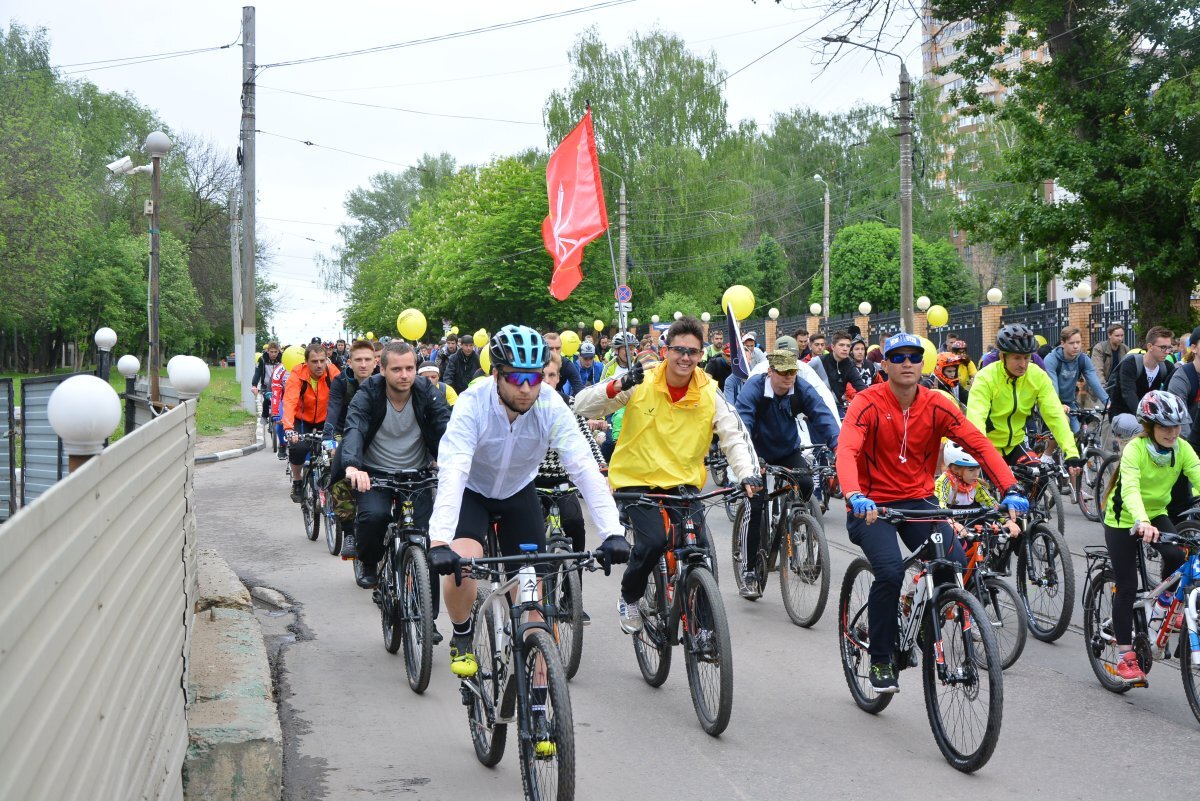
x: 1168, y: 306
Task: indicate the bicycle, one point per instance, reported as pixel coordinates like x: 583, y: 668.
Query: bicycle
x: 824, y: 472
x: 516, y: 656
x: 718, y: 470
x: 682, y: 593
x: 1004, y: 609
x: 960, y: 660
x: 790, y: 538
x: 1045, y: 575
x: 1055, y: 476
x: 314, y: 472
x: 564, y: 587
x: 1088, y: 441
x: 406, y: 593
x: 1098, y: 593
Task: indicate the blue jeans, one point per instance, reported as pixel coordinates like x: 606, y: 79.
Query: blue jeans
x: 878, y: 543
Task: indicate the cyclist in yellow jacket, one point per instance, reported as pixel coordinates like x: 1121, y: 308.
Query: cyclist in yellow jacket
x: 1004, y: 393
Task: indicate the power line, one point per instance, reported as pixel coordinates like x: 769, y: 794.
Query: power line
x: 310, y: 143
x: 447, y: 36
x: 300, y: 222
x: 397, y: 108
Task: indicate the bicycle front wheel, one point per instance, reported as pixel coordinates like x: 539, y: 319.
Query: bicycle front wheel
x: 1189, y: 662
x: 565, y: 590
x: 416, y: 609
x: 708, y: 651
x: 854, y: 638
x: 737, y: 558
x: 1046, y: 582
x: 1102, y: 652
x: 489, y: 694
x: 1104, y: 478
x: 652, y: 645
x: 964, y: 684
x: 548, y: 754
x: 310, y: 507
x: 1006, y: 616
x: 804, y: 569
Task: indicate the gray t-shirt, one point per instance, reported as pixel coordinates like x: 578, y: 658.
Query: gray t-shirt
x: 398, y: 444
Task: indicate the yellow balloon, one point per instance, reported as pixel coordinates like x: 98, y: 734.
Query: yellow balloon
x: 937, y: 316
x: 742, y: 300
x: 293, y: 356
x: 570, y: 343
x: 931, y: 354
x: 598, y: 325
x: 411, y: 324
x: 1041, y: 340
x: 370, y: 335
x: 454, y: 330
x: 485, y: 359
x: 257, y: 356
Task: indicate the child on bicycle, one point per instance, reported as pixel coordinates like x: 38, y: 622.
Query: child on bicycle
x: 1136, y: 505
x: 959, y: 486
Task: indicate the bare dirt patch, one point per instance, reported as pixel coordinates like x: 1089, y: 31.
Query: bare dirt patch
x: 227, y: 440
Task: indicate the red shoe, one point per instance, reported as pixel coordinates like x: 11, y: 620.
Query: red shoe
x: 1129, y: 671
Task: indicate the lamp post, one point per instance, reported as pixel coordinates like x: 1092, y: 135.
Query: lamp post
x: 1083, y: 291
x: 654, y: 318
x: 923, y: 303
x: 825, y: 252
x: 705, y: 317
x: 678, y: 315
x: 864, y: 308
x: 815, y: 310
x: 105, y: 339
x: 128, y: 366
x: 84, y: 411
x: 157, y: 145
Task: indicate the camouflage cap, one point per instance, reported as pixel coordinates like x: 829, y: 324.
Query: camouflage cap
x: 782, y: 360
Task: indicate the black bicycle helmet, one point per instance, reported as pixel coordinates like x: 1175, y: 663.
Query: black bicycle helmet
x: 518, y: 347
x: 1016, y: 338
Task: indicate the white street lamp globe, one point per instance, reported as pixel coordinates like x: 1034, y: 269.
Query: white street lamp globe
x: 705, y: 317
x: 579, y: 324
x: 773, y: 313
x: 633, y: 321
x: 1082, y: 291
x: 864, y: 308
x: 994, y: 295
x: 817, y: 177
x: 84, y: 411
x: 815, y: 310
x: 923, y: 303
x: 678, y: 315
x: 189, y: 375
x: 105, y: 338
x: 157, y: 144
x: 128, y: 365
x: 654, y: 318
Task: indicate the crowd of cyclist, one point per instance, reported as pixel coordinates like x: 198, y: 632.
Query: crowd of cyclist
x: 640, y: 413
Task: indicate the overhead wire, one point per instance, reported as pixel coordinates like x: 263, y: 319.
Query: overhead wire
x: 399, y: 108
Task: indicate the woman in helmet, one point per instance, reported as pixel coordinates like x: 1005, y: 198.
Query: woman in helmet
x: 1136, y: 508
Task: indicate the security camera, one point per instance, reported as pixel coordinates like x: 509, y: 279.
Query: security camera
x: 121, y: 166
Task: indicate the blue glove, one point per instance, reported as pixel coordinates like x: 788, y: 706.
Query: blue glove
x: 1015, y: 500
x: 330, y: 444
x: 860, y: 504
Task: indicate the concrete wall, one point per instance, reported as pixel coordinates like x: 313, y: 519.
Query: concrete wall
x: 97, y: 579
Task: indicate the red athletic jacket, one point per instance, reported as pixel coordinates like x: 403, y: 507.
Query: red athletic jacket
x: 874, y: 437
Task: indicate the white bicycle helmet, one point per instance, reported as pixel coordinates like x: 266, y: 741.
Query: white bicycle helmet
x: 955, y: 455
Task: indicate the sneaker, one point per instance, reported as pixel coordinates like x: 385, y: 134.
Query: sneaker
x: 543, y: 746
x: 349, y: 551
x: 1129, y: 671
x: 883, y: 678
x: 631, y: 617
x: 297, y: 490
x: 462, y: 657
x: 437, y: 635
x: 749, y: 589
x: 281, y: 454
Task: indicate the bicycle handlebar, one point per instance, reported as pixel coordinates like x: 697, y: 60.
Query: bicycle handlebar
x: 636, y: 496
x: 893, y: 515
x: 406, y: 481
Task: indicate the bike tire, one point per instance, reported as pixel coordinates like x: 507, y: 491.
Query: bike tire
x: 488, y: 740
x: 1098, y: 640
x: 1052, y: 507
x: 1047, y: 586
x: 1085, y: 485
x: 1006, y: 614
x: 389, y: 589
x: 415, y: 605
x: 1110, y: 465
x: 1190, y: 668
x: 310, y: 507
x: 333, y: 526
x: 565, y: 589
x: 708, y: 651
x: 853, y: 638
x: 548, y: 765
x: 974, y: 649
x: 651, y: 645
x: 804, y: 568
x: 735, y: 547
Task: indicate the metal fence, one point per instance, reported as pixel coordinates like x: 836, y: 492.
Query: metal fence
x: 965, y: 324
x: 43, y: 459
x: 884, y: 325
x: 1047, y: 319
x: 841, y: 322
x: 8, y: 429
x: 1105, y: 314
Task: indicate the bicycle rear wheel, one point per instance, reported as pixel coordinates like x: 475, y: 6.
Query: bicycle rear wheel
x: 390, y: 591
x: 548, y: 755
x: 1102, y: 652
x: 1006, y: 614
x: 651, y: 645
x: 1189, y: 662
x: 707, y: 651
x: 1050, y: 502
x: 310, y: 507
x: 804, y: 569
x: 1085, y: 485
x: 564, y: 589
x: 853, y: 638
x: 489, y: 692
x: 1104, y: 477
x: 964, y: 692
x: 1046, y: 582
x: 735, y: 545
x: 416, y: 609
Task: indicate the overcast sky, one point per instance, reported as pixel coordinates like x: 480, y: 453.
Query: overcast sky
x: 504, y: 75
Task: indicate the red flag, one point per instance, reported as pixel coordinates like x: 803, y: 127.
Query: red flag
x: 577, y: 212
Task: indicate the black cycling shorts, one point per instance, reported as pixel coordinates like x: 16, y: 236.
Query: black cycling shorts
x: 520, y: 520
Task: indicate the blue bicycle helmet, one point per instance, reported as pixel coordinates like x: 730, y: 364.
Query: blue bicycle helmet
x: 518, y: 347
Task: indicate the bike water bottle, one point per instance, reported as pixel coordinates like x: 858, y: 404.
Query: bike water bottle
x: 1159, y: 613
x: 527, y: 578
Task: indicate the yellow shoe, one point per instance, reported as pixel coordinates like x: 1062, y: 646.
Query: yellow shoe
x: 543, y: 746
x: 545, y: 749
x: 462, y: 660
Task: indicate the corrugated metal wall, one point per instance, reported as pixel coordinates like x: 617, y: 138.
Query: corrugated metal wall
x: 8, y: 503
x: 97, y: 581
x: 43, y: 459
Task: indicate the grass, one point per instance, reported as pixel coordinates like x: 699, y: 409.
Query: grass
x: 219, y: 407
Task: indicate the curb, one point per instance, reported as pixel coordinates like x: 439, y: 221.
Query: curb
x: 221, y: 456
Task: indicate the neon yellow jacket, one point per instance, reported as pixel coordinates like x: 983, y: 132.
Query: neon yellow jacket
x: 999, y: 405
x: 1143, y: 489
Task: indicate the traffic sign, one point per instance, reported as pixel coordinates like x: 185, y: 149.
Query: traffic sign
x: 623, y: 307
x: 624, y: 294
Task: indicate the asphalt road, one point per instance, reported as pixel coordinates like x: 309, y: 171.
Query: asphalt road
x: 353, y: 729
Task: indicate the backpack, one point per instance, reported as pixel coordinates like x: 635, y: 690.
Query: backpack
x: 1193, y: 401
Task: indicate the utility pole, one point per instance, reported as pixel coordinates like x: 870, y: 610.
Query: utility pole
x: 155, y: 360
x: 236, y: 263
x: 906, y: 235
x: 825, y: 253
x: 623, y: 241
x: 249, y: 123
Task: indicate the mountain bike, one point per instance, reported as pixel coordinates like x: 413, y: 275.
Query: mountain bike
x: 521, y: 677
x: 1182, y: 618
x: 563, y: 586
x: 1045, y: 576
x: 1054, y: 477
x: 1004, y: 609
x: 825, y: 479
x: 407, y: 594
x: 718, y: 471
x: 314, y: 472
x: 682, y: 605
x: 792, y: 540
x: 1088, y: 442
x: 960, y: 659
